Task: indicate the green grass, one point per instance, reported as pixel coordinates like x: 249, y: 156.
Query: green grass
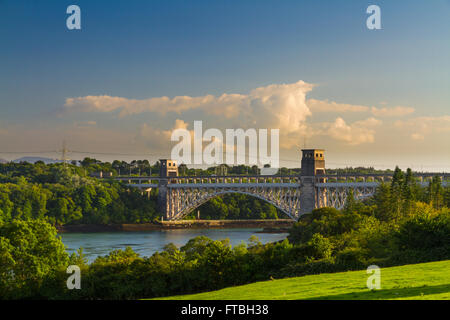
x: 416, y: 281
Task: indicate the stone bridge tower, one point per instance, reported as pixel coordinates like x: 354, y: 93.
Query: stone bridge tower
x: 313, y: 163
x: 167, y: 169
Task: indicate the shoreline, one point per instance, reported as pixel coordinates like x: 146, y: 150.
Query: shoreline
x: 269, y: 226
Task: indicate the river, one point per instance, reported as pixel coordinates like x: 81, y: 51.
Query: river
x: 148, y: 242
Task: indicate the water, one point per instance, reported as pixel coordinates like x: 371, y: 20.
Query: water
x: 148, y: 242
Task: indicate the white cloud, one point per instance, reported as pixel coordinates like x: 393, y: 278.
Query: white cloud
x: 277, y: 106
x: 354, y: 134
x: 284, y: 97
x: 127, y: 106
x: 156, y: 138
x: 331, y: 106
x: 334, y: 107
x: 418, y: 128
x: 398, y: 111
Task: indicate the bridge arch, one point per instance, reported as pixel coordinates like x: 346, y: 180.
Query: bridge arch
x: 287, y: 201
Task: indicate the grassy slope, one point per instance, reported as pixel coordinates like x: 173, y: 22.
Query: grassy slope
x: 417, y: 281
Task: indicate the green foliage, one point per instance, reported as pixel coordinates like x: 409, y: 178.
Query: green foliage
x: 30, y: 251
x: 63, y: 196
x: 352, y: 258
x: 237, y: 207
x: 327, y: 222
x: 425, y: 232
x: 319, y: 247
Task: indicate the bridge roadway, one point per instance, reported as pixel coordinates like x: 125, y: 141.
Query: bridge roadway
x: 328, y: 180
x: 294, y: 195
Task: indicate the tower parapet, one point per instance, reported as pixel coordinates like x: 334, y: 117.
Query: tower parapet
x: 168, y: 168
x: 313, y: 162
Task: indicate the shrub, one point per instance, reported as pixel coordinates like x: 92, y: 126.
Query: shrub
x: 352, y: 258
x: 424, y: 232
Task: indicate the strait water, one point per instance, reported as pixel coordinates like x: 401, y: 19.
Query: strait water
x: 148, y: 242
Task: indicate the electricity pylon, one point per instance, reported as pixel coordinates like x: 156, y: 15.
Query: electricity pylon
x: 64, y: 152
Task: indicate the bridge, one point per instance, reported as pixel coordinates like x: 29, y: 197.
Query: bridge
x: 294, y: 195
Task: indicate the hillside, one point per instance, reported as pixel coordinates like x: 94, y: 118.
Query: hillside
x: 417, y: 281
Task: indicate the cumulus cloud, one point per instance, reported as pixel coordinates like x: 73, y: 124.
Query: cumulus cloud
x: 398, y: 111
x: 354, y: 134
x: 277, y: 106
x: 127, y: 106
x: 284, y: 97
x: 157, y: 138
x: 418, y: 128
x: 335, y: 107
x: 331, y: 106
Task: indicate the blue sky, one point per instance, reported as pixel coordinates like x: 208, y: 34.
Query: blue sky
x: 147, y: 49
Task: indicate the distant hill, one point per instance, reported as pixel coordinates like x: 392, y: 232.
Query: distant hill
x: 36, y: 159
x: 3, y: 161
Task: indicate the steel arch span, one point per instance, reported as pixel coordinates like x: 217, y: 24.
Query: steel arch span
x: 335, y: 196
x: 181, y: 201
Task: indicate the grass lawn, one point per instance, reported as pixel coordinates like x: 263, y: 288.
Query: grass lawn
x: 416, y: 281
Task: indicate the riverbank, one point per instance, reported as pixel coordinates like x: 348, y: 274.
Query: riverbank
x: 271, y: 226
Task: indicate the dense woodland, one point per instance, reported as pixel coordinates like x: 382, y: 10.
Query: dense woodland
x: 402, y: 224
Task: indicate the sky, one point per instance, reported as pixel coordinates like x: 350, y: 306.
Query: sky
x: 137, y: 70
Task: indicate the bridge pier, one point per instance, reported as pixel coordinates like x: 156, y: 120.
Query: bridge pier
x: 163, y: 204
x: 307, y: 194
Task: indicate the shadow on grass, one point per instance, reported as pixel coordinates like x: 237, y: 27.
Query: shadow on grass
x: 395, y: 293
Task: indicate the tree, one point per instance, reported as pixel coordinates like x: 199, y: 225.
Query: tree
x: 447, y: 197
x: 409, y: 192
x: 30, y: 251
x: 319, y: 247
x: 397, y: 189
x: 350, y: 202
x: 436, y: 193
x: 383, y: 200
x: 86, y: 162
